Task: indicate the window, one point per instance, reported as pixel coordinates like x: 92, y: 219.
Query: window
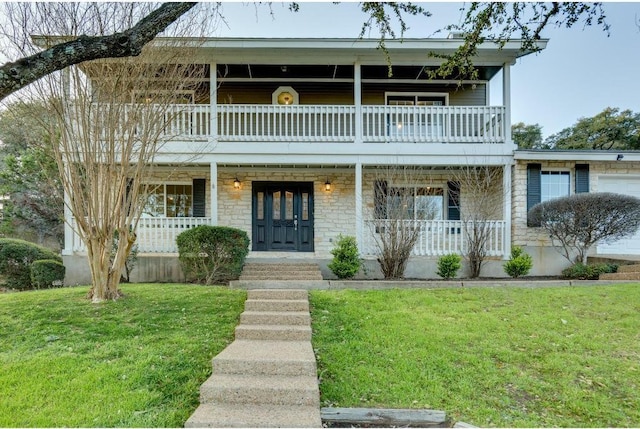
x: 169, y: 200
x: 417, y: 99
x: 554, y: 184
x: 415, y: 203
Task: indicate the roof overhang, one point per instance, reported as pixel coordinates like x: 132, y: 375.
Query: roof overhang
x: 328, y: 50
x: 577, y: 155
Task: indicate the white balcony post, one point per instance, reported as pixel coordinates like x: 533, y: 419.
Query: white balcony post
x: 213, y: 179
x: 506, y: 102
x: 357, y: 99
x: 358, y: 192
x: 506, y: 191
x: 213, y: 102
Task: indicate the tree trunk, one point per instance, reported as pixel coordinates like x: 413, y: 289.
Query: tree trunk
x: 105, y: 276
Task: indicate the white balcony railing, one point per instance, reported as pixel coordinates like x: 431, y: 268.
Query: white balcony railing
x: 154, y: 235
x: 437, y: 237
x: 433, y: 124
x: 325, y: 123
x: 255, y: 122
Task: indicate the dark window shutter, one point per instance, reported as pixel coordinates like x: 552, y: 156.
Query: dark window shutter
x: 534, y: 187
x: 582, y: 178
x: 453, y: 201
x: 199, y: 197
x: 128, y: 204
x: 380, y: 192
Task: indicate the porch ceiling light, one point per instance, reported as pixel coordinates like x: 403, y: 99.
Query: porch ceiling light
x: 327, y: 185
x: 236, y: 183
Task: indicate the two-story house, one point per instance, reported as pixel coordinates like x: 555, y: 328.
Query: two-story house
x: 284, y: 138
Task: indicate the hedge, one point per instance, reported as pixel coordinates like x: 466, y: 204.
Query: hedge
x: 16, y: 257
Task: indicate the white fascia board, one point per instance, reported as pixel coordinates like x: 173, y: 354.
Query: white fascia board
x: 576, y: 155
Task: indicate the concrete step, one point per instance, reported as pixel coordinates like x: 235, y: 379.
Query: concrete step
x: 275, y: 318
x: 276, y: 305
x: 260, y: 389
x: 311, y: 275
x: 278, y: 294
x: 254, y: 266
x: 266, y: 358
x: 620, y: 276
x: 279, y: 284
x: 256, y: 416
x: 633, y: 268
x: 273, y: 333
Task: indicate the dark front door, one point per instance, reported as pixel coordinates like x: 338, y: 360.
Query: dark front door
x: 283, y: 216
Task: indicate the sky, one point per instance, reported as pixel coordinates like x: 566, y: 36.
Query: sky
x: 581, y: 71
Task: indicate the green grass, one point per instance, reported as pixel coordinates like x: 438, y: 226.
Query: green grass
x: 136, y: 362
x: 567, y: 357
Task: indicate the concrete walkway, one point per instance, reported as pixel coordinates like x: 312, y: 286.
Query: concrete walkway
x: 267, y: 376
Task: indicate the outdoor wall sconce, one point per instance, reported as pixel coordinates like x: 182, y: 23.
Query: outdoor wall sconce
x: 236, y: 183
x: 619, y: 157
x: 327, y: 185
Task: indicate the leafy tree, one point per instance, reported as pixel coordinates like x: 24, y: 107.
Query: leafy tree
x: 29, y: 175
x: 579, y: 221
x: 609, y: 129
x: 527, y: 136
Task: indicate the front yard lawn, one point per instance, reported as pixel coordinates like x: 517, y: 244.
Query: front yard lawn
x: 136, y: 362
x: 567, y: 357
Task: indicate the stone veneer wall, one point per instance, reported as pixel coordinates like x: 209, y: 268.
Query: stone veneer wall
x: 526, y: 236
x: 334, y: 211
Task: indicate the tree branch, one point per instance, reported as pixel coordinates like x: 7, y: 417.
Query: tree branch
x: 18, y: 74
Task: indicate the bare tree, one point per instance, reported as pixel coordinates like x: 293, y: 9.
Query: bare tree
x: 112, y: 117
x: 123, y: 42
x: 479, y: 197
x: 579, y: 221
x: 401, y: 204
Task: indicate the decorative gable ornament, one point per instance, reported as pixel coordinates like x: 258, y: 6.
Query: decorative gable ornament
x: 285, y: 96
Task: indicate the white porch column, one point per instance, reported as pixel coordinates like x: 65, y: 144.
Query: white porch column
x: 506, y: 187
x: 68, y: 231
x: 213, y: 179
x: 357, y: 99
x: 213, y: 102
x: 506, y: 102
x: 358, y: 191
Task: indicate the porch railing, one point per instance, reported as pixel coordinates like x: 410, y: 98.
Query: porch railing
x: 249, y: 122
x: 446, y: 124
x: 154, y: 235
x: 436, y: 237
x: 333, y: 123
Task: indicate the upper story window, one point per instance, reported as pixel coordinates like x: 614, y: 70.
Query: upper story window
x: 554, y: 184
x: 169, y: 200
x: 417, y: 99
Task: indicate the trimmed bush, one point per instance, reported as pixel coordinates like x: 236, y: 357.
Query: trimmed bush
x: 581, y: 271
x: 519, y: 264
x: 47, y: 273
x: 212, y: 254
x: 346, y: 260
x: 449, y: 265
x: 16, y: 257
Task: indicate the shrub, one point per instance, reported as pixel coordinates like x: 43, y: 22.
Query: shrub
x: 579, y: 221
x: 580, y: 271
x: 212, y: 254
x: 449, y: 265
x: 346, y: 261
x: 16, y: 257
x: 519, y: 264
x: 47, y: 273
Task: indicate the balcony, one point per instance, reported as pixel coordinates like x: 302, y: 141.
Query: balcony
x: 338, y: 123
